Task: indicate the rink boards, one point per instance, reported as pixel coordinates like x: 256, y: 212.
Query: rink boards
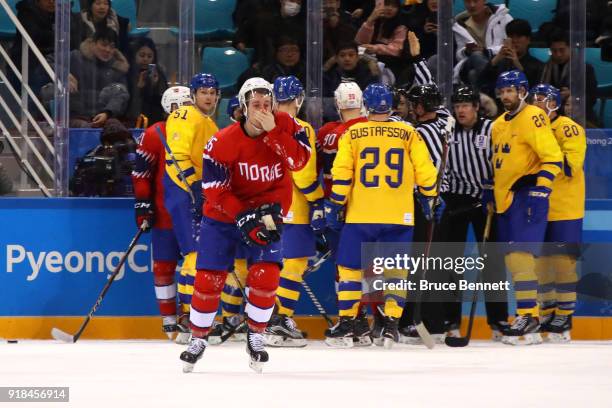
x: 56, y: 255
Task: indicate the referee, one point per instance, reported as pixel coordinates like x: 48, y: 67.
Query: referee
x: 469, y: 162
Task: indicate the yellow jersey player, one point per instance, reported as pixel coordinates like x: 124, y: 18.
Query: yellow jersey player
x: 188, y: 129
x: 304, y: 219
x: 556, y: 268
x: 526, y: 159
x: 377, y: 166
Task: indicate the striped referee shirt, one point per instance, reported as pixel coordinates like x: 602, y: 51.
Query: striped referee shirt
x: 469, y: 160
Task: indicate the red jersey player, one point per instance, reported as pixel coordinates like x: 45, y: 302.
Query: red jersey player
x: 248, y: 188
x: 149, y: 194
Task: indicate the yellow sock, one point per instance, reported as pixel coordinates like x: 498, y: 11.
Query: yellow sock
x: 349, y: 291
x: 395, y: 299
x: 564, y: 267
x: 546, y: 285
x: 291, y: 277
x: 188, y: 272
x: 522, y: 267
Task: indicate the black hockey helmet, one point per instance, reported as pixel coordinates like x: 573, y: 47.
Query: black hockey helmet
x: 465, y: 93
x: 427, y: 95
x: 398, y: 91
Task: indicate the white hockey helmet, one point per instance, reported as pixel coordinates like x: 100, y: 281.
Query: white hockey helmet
x: 175, y: 97
x: 348, y: 95
x: 251, y: 85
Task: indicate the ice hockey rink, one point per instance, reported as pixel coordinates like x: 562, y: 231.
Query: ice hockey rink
x: 149, y: 374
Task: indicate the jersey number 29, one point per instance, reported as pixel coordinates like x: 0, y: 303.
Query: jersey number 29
x: 394, y: 160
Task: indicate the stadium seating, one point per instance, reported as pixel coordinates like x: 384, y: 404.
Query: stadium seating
x: 127, y: 9
x: 76, y: 6
x: 226, y: 63
x: 7, y: 28
x: 543, y: 54
x: 213, y: 19
x: 534, y: 11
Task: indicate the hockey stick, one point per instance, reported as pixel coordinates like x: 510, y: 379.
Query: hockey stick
x: 68, y: 338
x: 418, y: 321
x: 464, y: 341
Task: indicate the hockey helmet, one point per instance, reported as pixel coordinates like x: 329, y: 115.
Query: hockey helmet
x: 175, y: 97
x: 514, y: 78
x: 288, y: 88
x: 348, y: 95
x: 428, y: 95
x: 251, y: 85
x: 203, y: 80
x: 550, y: 92
x: 465, y: 94
x: 378, y: 98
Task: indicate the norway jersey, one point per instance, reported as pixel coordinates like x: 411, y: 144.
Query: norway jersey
x: 567, y: 197
x: 327, y: 147
x: 241, y: 172
x: 523, y: 145
x: 376, y: 169
x: 149, y: 170
x: 306, y: 185
x: 188, y: 131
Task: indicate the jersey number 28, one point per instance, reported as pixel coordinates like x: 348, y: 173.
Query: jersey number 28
x: 394, y: 160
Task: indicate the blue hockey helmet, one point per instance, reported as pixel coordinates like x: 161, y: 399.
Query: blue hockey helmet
x: 287, y: 88
x: 549, y: 91
x: 203, y: 80
x: 378, y: 98
x: 232, y: 105
x: 514, y: 78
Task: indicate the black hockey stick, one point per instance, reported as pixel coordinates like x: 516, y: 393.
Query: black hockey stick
x: 464, y: 341
x: 418, y: 320
x: 68, y: 338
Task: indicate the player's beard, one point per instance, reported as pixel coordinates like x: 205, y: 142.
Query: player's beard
x: 511, y: 106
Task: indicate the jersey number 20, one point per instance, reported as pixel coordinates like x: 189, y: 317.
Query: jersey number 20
x: 394, y: 160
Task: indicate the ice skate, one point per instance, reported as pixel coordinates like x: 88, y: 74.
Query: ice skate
x: 524, y: 326
x: 409, y: 335
x: 283, y: 332
x: 390, y: 333
x: 377, y: 329
x: 221, y: 329
x: 193, y: 353
x: 362, y: 331
x: 499, y: 329
x: 559, y: 329
x: 183, y: 332
x: 545, y: 321
x: 169, y: 326
x: 341, y: 335
x: 256, y: 350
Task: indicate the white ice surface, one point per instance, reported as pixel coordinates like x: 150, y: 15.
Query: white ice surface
x: 117, y: 374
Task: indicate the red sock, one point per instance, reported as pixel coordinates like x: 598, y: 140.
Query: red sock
x: 165, y: 288
x: 205, y: 300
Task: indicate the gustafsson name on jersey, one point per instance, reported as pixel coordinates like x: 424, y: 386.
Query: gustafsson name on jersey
x: 380, y: 131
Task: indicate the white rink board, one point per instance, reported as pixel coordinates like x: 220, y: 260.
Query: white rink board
x: 117, y: 374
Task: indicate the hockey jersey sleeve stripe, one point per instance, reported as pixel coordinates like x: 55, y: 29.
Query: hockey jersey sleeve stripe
x: 343, y: 182
x: 311, y: 188
x: 428, y: 188
x: 337, y: 197
x: 558, y: 164
x: 546, y: 174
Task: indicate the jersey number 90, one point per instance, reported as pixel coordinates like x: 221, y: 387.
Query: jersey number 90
x: 394, y: 160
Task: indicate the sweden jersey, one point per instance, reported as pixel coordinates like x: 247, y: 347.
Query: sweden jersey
x: 306, y: 185
x: 523, y: 145
x: 188, y: 130
x: 376, y: 169
x: 567, y: 197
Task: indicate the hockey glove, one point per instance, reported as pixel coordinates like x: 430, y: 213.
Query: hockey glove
x: 321, y: 243
x: 487, y: 195
x: 334, y: 215
x: 198, y: 195
x: 144, y: 212
x: 317, y: 215
x: 258, y: 227
x: 537, y: 203
x: 427, y: 204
